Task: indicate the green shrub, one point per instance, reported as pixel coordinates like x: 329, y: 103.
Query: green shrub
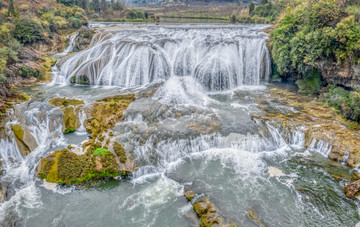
x: 75, y: 22
x: 27, y: 72
x: 28, y: 30
x: 338, y: 96
x: 311, y: 82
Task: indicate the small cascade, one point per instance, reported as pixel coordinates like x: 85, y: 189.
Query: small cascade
x: 345, y: 158
x: 320, y: 147
x: 69, y: 48
x: 298, y: 140
x: 82, y: 117
x: 220, y: 58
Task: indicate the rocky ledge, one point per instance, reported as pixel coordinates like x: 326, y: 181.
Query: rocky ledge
x: 101, y: 156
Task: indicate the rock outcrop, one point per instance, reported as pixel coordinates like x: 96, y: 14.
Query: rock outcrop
x: 207, y: 212
x: 353, y: 189
x: 100, y: 157
x: 340, y: 74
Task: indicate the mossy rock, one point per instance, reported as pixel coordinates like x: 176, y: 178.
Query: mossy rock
x: 189, y: 195
x: 64, y: 102
x: 105, y: 113
x: 120, y: 152
x: 69, y: 168
x: 18, y: 131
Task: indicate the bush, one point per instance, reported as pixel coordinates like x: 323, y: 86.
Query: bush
x: 75, y: 22
x: 27, y: 72
x: 101, y: 151
x: 311, y: 82
x: 347, y: 35
x: 28, y: 30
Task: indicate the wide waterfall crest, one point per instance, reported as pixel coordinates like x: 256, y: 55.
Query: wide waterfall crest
x: 220, y: 58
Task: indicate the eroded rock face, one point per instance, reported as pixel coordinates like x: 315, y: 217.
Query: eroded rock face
x: 352, y: 189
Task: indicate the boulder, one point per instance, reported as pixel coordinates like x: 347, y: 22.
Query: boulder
x: 352, y: 189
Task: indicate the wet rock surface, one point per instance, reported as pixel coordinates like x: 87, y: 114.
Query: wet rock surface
x: 324, y: 130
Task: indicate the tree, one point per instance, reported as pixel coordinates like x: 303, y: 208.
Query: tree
x: 103, y: 5
x: 264, y: 2
x: 251, y: 8
x: 95, y: 5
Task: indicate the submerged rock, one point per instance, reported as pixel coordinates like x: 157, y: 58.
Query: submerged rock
x: 352, y: 189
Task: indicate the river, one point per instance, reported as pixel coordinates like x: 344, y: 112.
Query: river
x: 194, y: 132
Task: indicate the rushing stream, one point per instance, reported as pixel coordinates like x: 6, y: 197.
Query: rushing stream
x: 194, y: 132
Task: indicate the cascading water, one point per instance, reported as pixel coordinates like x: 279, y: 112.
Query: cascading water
x: 220, y: 58
x: 183, y: 132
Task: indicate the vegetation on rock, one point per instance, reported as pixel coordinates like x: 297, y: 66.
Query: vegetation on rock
x: 106, y: 112
x: 207, y: 212
x: 65, y: 167
x: 64, y: 102
x: 120, y: 152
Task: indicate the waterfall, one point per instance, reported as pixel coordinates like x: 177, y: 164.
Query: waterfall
x: 69, y: 48
x: 219, y: 57
x: 44, y: 124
